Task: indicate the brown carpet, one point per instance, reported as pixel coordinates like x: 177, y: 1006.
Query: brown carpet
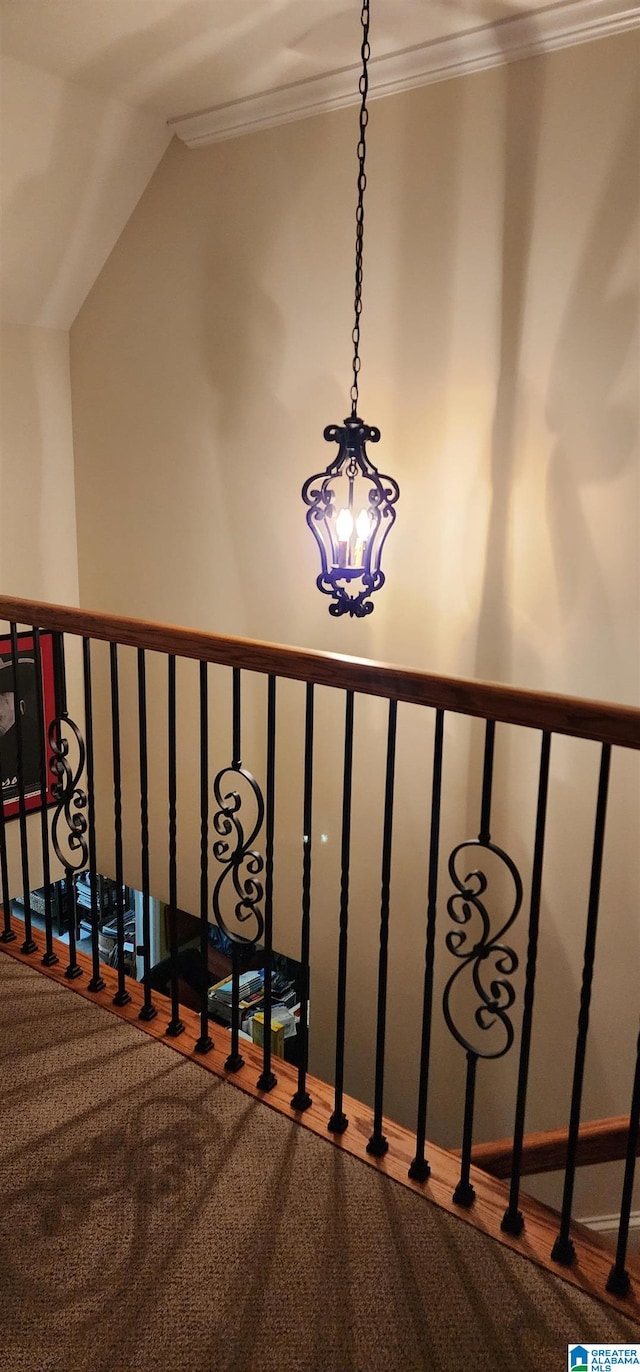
x: 153, y: 1217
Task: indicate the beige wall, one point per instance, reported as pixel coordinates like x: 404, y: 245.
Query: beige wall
x: 38, y: 548
x: 38, y: 551
x: 500, y: 360
x: 73, y: 164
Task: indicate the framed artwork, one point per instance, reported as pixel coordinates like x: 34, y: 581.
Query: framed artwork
x: 21, y: 695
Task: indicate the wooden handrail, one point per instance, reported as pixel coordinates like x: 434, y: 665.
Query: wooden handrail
x: 597, y: 720
x: 598, y: 1141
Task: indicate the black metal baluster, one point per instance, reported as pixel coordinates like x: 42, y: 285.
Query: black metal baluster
x: 29, y: 945
x: 487, y: 782
x: 122, y: 996
x: 464, y: 1193
x: 148, y: 1011
x: 8, y: 934
x: 73, y: 969
x: 59, y: 892
x: 302, y: 1100
x: 50, y: 958
x: 419, y: 1168
x: 563, y: 1249
x: 378, y: 1144
x: 71, y: 801
x: 175, y: 1027
x: 618, y: 1281
x: 238, y: 892
x: 235, y: 1059
x: 339, y: 1122
x: 267, y: 1079
x: 97, y: 982
x: 205, y: 1042
x: 512, y: 1220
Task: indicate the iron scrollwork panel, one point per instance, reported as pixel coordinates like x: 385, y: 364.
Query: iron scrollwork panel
x: 67, y: 763
x: 238, y: 891
x: 486, y: 961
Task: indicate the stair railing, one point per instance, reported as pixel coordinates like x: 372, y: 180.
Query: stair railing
x: 52, y: 753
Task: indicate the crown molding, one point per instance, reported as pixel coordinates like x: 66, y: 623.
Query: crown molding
x: 490, y: 45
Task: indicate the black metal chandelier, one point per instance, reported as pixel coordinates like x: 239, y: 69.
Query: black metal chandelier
x: 351, y: 504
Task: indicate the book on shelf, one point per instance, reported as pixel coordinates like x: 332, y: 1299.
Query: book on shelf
x: 221, y: 1005
x: 249, y: 983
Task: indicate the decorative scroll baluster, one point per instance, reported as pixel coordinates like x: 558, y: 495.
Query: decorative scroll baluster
x: 267, y: 1080
x: 618, y: 1280
x: 122, y: 996
x: 148, y: 1011
x: 242, y: 865
x: 339, y: 1122
x: 49, y: 958
x: 70, y: 847
x: 205, y: 1042
x: 378, y: 1144
x: 467, y: 908
x: 512, y: 1220
x: 563, y: 1249
x: 301, y: 1100
x: 175, y: 1027
x: 419, y: 1168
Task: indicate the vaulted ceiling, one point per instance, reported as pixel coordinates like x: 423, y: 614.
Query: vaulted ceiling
x: 92, y: 91
x: 172, y: 57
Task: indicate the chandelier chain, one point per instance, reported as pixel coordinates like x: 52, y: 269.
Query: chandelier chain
x: 363, y: 87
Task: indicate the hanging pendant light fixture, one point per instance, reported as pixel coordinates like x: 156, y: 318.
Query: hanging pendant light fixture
x: 350, y: 504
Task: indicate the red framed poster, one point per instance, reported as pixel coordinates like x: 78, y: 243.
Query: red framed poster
x: 21, y: 695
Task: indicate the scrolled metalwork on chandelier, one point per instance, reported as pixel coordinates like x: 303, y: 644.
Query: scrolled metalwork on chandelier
x: 350, y: 514
x: 350, y: 504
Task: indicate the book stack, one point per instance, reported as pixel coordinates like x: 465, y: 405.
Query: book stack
x: 220, y: 996
x: 249, y: 984
x: 251, y: 988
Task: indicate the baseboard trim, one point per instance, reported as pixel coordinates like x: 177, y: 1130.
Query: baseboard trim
x: 607, y: 1225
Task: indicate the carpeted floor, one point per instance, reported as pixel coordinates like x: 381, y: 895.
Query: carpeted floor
x: 153, y: 1217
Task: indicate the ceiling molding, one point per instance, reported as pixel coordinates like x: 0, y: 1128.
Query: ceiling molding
x: 490, y: 45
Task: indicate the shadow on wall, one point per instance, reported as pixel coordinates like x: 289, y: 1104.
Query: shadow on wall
x: 251, y: 346
x: 21, y: 468
x: 524, y: 92
x: 244, y: 340
x: 594, y: 434
x: 411, y: 238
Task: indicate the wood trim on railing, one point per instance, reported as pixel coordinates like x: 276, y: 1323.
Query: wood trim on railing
x: 598, y: 1141
x: 597, y: 720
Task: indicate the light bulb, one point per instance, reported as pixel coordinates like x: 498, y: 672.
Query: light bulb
x: 344, y: 526
x: 363, y: 526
